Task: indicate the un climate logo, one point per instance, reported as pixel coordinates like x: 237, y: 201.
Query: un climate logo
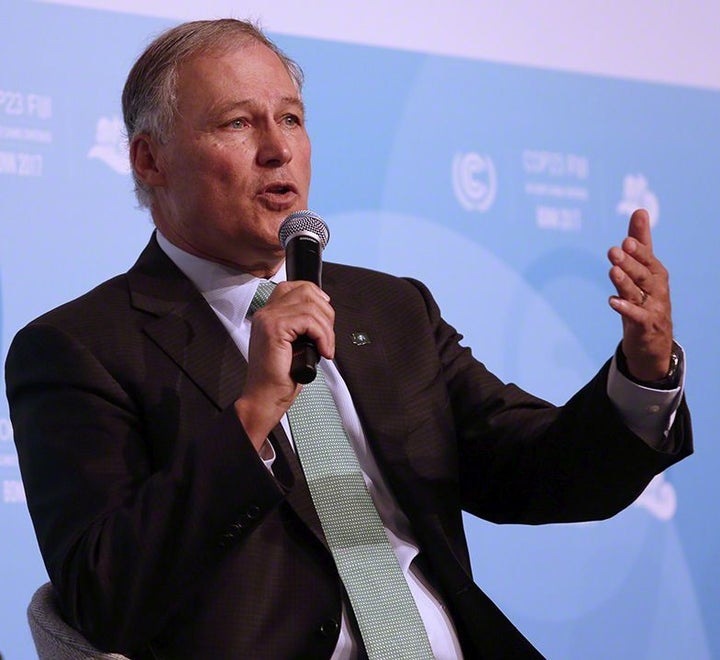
x: 474, y: 181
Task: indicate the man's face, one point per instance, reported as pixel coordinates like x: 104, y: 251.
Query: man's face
x: 237, y: 161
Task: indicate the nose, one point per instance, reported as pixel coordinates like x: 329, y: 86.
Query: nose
x: 274, y: 147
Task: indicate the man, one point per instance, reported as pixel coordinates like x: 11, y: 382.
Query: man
x: 150, y: 414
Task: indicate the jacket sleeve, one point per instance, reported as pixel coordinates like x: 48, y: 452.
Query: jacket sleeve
x: 524, y: 460
x: 122, y: 533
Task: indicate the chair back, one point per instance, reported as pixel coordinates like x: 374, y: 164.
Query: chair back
x: 54, y: 638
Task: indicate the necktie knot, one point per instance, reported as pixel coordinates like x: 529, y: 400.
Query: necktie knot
x: 262, y: 295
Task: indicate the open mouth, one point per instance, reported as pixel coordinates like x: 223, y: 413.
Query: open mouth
x: 278, y: 196
x: 279, y: 189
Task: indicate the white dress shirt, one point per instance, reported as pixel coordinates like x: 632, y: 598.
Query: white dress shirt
x: 649, y: 413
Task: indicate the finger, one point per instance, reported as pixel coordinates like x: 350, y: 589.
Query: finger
x: 298, y: 299
x: 308, y: 304
x: 628, y: 309
x: 640, y: 274
x: 318, y: 324
x: 285, y: 324
x: 640, y: 252
x: 295, y: 310
x: 288, y: 291
x: 300, y: 288
x: 626, y: 287
x: 639, y: 228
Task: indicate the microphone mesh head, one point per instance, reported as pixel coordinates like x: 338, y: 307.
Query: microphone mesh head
x: 304, y: 222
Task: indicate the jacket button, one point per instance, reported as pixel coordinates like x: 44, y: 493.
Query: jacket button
x: 329, y: 628
x: 226, y: 540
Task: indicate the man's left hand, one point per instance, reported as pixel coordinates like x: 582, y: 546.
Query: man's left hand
x: 643, y: 301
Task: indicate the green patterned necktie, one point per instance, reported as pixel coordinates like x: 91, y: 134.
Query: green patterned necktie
x: 385, y: 610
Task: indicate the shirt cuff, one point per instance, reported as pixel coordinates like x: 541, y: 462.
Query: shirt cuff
x: 647, y: 412
x: 267, y: 454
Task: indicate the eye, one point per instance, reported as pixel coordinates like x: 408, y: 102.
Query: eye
x: 291, y: 120
x: 239, y: 122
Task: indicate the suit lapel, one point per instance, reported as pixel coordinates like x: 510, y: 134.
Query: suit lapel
x: 184, y: 326
x: 298, y: 497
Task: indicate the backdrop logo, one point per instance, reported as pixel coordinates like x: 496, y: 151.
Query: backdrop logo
x: 110, y: 146
x: 474, y: 181
x: 659, y: 498
x: 637, y: 194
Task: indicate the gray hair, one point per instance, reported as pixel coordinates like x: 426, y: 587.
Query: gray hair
x: 149, y: 98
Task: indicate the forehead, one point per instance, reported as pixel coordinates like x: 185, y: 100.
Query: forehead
x: 245, y: 68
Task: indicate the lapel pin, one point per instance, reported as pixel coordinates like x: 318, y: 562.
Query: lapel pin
x: 360, y: 338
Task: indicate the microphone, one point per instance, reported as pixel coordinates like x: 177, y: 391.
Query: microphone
x: 303, y: 235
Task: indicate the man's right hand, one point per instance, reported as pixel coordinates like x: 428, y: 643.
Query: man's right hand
x: 294, y: 309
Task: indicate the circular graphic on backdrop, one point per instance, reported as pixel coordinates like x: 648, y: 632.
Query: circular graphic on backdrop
x: 474, y: 181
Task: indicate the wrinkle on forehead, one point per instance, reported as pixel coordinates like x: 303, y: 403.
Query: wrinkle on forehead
x: 231, y: 43
x: 217, y: 83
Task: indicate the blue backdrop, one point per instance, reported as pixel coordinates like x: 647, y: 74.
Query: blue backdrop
x: 500, y: 186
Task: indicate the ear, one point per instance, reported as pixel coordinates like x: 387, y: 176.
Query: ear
x: 144, y: 157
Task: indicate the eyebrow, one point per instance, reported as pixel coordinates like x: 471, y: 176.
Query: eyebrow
x: 224, y: 108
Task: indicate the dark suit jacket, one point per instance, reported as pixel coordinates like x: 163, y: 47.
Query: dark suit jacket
x: 164, y: 533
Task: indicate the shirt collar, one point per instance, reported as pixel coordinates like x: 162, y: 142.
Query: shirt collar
x: 228, y: 290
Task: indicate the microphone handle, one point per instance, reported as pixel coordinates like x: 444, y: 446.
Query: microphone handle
x: 304, y: 262
x: 303, y: 367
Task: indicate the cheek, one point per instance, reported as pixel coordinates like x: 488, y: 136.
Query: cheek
x: 303, y: 161
x: 305, y: 149
x: 230, y: 167
x: 223, y: 174
x: 220, y: 159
